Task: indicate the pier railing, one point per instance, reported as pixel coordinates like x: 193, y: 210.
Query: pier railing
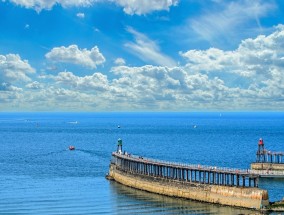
x: 266, y: 156
x: 185, y: 172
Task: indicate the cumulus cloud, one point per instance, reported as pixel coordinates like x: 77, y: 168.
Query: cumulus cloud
x: 13, y: 68
x: 97, y: 81
x: 156, y: 84
x: 253, y: 58
x: 119, y: 61
x: 73, y: 55
x: 137, y: 88
x: 202, y: 84
x: 140, y: 7
x: 259, y: 61
x: 147, y: 50
x: 39, y: 5
x: 8, y: 87
x: 35, y: 85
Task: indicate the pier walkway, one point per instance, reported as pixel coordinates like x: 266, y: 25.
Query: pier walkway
x: 184, y: 172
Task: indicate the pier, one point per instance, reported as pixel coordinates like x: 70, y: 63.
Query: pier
x: 226, y: 186
x: 184, y: 172
x: 271, y: 162
x: 266, y: 156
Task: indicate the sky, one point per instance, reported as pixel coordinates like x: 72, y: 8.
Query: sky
x: 141, y: 55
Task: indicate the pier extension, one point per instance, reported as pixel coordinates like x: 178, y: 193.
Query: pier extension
x: 268, y: 160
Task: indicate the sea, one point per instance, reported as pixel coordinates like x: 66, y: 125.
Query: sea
x: 39, y: 175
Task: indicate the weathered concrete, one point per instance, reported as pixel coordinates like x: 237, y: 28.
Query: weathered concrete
x: 225, y: 195
x: 267, y: 166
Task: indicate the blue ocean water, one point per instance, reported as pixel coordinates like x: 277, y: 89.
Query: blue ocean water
x: 39, y: 175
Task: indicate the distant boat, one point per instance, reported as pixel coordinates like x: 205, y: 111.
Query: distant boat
x: 195, y: 126
x: 74, y: 122
x: 71, y: 148
x: 118, y: 126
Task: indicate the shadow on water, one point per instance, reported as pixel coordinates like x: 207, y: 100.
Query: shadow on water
x: 54, y: 152
x: 101, y: 155
x: 92, y: 153
x: 134, y: 201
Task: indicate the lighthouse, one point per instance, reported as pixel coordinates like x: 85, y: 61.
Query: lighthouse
x: 119, y: 146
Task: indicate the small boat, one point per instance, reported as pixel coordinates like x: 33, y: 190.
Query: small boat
x: 71, y: 148
x: 73, y: 122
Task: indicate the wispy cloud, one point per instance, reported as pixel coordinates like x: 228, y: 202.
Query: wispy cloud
x: 230, y: 19
x: 147, y: 49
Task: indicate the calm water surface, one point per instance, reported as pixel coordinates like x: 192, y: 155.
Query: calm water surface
x: 39, y: 175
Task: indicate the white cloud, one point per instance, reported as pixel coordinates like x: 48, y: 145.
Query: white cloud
x: 140, y: 7
x: 204, y: 83
x: 97, y: 81
x: 138, y: 88
x: 254, y: 58
x: 35, y: 85
x: 13, y: 68
x: 230, y: 20
x: 39, y: 5
x: 80, y: 15
x: 119, y: 61
x: 259, y: 62
x: 8, y: 87
x: 73, y: 55
x: 147, y: 50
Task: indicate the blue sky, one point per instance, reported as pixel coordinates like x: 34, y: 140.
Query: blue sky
x: 140, y: 55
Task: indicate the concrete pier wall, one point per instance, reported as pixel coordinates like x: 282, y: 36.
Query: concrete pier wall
x: 226, y: 195
x: 267, y: 166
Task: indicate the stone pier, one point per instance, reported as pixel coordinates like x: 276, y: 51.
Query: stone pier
x: 223, y: 186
